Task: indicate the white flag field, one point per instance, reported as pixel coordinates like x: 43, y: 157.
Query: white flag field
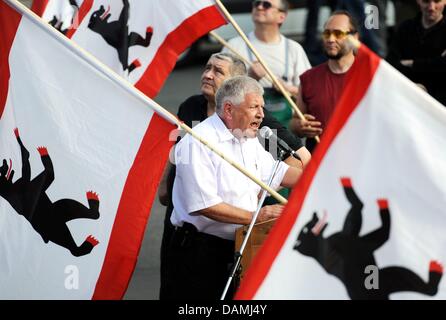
x: 81, y: 156
x: 140, y: 40
x: 367, y: 219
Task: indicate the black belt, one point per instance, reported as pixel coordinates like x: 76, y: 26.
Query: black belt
x: 188, y: 232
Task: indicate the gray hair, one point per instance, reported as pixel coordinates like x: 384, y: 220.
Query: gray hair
x: 237, y: 68
x: 235, y: 89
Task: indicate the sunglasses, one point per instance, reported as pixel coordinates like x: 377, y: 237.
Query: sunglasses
x: 265, y: 4
x: 339, y: 34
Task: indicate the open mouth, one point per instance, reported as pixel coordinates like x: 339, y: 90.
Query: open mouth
x: 255, y: 125
x: 320, y: 225
x: 105, y: 13
x: 9, y: 170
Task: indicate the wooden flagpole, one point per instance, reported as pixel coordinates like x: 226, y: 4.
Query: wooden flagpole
x: 230, y: 48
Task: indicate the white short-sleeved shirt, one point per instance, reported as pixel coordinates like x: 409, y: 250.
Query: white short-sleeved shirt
x: 275, y: 57
x: 203, y: 179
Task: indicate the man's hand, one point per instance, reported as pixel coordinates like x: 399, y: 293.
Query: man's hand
x: 291, y: 89
x: 407, y: 63
x: 270, y: 212
x: 352, y: 43
x: 309, y: 127
x: 421, y: 86
x: 256, y: 71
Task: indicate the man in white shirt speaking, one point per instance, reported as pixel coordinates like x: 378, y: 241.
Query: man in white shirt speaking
x: 212, y: 199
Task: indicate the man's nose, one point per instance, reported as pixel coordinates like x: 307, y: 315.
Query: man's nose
x: 331, y: 38
x: 208, y: 74
x: 261, y: 113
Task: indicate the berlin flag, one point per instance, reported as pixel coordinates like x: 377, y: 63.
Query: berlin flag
x: 367, y: 219
x: 81, y: 156
x: 140, y: 40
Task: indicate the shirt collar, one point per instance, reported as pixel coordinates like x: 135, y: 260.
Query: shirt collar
x: 222, y: 131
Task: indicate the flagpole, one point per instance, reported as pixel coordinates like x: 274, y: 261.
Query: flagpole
x: 230, y: 48
x: 134, y: 91
x: 262, y: 62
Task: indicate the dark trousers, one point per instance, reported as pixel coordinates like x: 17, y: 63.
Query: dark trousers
x: 196, y: 266
x: 168, y: 231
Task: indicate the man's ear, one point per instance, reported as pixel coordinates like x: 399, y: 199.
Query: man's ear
x: 282, y: 17
x: 227, y: 110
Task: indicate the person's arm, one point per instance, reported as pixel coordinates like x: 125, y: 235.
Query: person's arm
x: 285, y: 175
x: 301, y: 65
x: 290, y: 88
x: 291, y: 177
x: 287, y: 136
x: 256, y: 71
x: 435, y: 64
x: 163, y: 194
x: 309, y: 127
x: 166, y: 183
x: 227, y: 213
x: 304, y: 155
x: 397, y: 56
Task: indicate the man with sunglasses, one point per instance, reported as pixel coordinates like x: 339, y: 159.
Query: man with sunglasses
x: 419, y: 48
x: 321, y: 87
x: 285, y: 58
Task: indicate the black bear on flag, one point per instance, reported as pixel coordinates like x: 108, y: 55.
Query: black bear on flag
x: 29, y: 199
x: 116, y: 34
x: 346, y: 254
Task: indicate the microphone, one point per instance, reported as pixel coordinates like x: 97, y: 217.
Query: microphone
x: 266, y: 133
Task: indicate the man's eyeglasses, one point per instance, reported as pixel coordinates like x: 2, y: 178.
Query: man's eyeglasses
x: 339, y: 34
x: 265, y: 4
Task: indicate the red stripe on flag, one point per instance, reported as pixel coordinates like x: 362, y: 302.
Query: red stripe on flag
x: 39, y: 7
x: 80, y: 15
x: 9, y: 22
x: 175, y: 43
x: 134, y: 210
x: 357, y: 84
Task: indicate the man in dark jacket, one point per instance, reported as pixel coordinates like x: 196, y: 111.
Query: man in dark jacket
x: 419, y: 48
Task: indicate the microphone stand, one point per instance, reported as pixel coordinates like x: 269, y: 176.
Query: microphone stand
x: 239, y: 254
x: 295, y: 155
